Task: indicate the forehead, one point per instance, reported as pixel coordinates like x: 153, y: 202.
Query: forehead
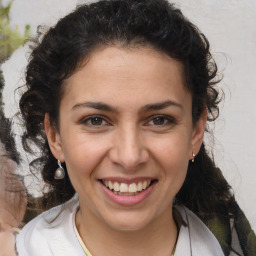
x: 130, y: 60
x: 142, y: 73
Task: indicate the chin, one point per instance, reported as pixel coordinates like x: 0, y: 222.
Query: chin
x: 129, y: 222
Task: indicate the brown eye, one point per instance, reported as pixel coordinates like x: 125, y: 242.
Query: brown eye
x: 97, y: 121
x: 160, y: 120
x: 94, y: 122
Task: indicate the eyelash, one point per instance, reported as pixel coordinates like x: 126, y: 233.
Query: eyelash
x: 167, y: 120
x: 91, y: 118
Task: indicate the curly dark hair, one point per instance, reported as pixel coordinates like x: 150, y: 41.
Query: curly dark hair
x: 126, y: 23
x: 7, y: 138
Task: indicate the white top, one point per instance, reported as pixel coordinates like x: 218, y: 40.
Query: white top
x: 45, y: 237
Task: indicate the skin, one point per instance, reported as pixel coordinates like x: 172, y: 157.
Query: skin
x: 128, y: 140
x: 7, y: 241
x: 12, y: 204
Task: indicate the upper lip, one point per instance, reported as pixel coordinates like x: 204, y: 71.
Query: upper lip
x: 128, y: 180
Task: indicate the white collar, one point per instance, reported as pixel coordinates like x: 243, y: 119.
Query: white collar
x: 194, y: 237
x: 43, y: 237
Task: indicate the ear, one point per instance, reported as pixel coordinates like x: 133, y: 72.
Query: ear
x: 54, y: 139
x: 198, y: 134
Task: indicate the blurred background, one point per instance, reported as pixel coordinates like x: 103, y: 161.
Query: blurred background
x: 230, y: 26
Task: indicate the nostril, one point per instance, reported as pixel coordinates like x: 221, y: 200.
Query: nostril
x: 128, y: 150
x: 129, y: 161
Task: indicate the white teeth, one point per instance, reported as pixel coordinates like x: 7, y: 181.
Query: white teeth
x: 144, y: 185
x: 116, y: 187
x: 127, y: 188
x: 133, y: 188
x: 139, y: 187
x: 110, y: 185
x: 123, y: 187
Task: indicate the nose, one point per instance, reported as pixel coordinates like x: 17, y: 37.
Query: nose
x: 128, y: 149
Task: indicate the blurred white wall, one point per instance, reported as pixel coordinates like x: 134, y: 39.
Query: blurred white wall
x: 230, y: 26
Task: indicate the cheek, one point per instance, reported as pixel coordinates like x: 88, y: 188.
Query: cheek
x: 83, y: 154
x: 172, y: 154
x: 172, y: 150
x: 82, y: 158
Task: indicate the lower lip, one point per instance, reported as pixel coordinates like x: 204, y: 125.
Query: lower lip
x: 128, y: 200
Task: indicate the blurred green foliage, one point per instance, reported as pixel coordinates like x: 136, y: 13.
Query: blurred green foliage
x: 10, y: 40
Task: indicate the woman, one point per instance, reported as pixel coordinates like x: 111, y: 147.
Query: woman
x: 118, y: 96
x: 12, y: 193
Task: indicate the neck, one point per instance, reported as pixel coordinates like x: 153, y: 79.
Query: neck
x: 157, y: 238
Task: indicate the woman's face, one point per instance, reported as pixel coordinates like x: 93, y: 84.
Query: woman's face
x: 126, y: 135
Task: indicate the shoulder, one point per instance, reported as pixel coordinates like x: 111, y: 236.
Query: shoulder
x: 195, y: 236
x: 50, y: 233
x: 39, y: 229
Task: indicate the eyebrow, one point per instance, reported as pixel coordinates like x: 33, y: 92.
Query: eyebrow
x: 146, y: 108
x: 95, y: 105
x: 161, y: 105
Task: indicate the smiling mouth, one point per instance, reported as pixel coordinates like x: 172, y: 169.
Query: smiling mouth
x: 124, y: 189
